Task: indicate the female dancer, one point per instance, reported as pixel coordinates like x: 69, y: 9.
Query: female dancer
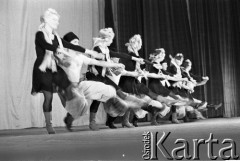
x: 45, y: 70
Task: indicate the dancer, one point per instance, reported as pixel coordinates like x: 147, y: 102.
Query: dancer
x: 45, y: 70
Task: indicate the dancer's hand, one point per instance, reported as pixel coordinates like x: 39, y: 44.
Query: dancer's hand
x: 119, y: 65
x: 140, y: 60
x: 205, y: 78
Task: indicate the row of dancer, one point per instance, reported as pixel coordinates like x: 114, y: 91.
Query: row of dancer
x: 170, y: 86
x: 65, y: 71
x: 58, y: 70
x: 180, y: 83
x: 130, y: 84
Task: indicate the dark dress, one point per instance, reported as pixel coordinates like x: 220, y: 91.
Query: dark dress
x: 155, y: 84
x: 99, y: 77
x: 182, y: 92
x: 131, y: 84
x: 48, y: 80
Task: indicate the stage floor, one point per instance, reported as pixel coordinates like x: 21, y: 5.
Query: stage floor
x: 113, y: 144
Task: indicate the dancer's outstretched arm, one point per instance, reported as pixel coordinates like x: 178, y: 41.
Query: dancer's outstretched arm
x: 130, y: 74
x: 105, y: 64
x: 87, y: 60
x: 203, y: 82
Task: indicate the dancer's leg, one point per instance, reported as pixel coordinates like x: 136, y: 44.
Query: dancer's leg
x: 92, y: 119
x: 47, y: 109
x: 110, y: 122
x: 125, y: 122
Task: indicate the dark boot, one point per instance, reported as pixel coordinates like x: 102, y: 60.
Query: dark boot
x: 110, y: 122
x: 174, y: 115
x: 48, y: 119
x: 68, y: 120
x: 154, y: 119
x: 135, y: 121
x: 125, y: 122
x: 92, y: 122
x: 174, y: 118
x: 186, y: 118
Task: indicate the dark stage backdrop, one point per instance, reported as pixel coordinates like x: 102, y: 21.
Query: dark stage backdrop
x: 205, y: 31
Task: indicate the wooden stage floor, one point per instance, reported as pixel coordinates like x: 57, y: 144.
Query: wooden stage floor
x: 113, y: 144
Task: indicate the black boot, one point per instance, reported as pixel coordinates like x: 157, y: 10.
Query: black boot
x: 154, y: 119
x: 174, y: 115
x: 186, y: 118
x: 68, y: 120
x: 110, y: 122
x: 135, y: 121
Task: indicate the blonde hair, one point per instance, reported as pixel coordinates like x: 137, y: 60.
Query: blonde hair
x: 46, y: 15
x: 135, y: 39
x: 157, y: 52
x: 106, y: 33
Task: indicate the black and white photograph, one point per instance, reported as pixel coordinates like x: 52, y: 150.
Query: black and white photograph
x: 119, y: 80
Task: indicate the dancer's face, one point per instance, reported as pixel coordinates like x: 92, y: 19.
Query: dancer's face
x: 160, y: 57
x: 75, y: 42
x: 108, y: 41
x: 178, y: 62
x: 137, y: 45
x: 189, y: 67
x: 53, y: 21
x: 164, y: 66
